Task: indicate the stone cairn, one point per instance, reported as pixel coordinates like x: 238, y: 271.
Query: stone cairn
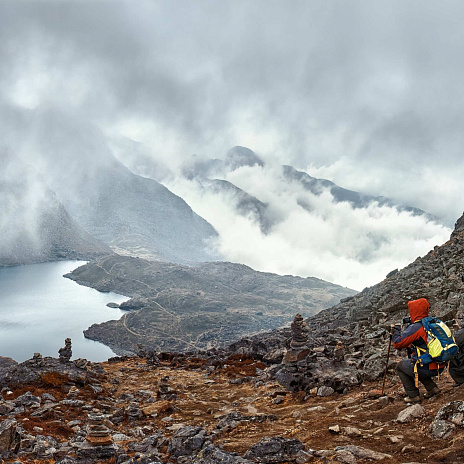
x: 299, y: 348
x: 134, y: 413
x: 339, y: 351
x: 37, y: 360
x: 149, y: 354
x: 65, y: 353
x: 98, y: 434
x: 98, y: 444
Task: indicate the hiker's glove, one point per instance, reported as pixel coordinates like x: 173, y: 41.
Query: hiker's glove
x: 393, y: 328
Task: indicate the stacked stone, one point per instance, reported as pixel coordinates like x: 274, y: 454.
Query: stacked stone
x: 149, y: 354
x: 37, y: 360
x: 98, y: 434
x: 98, y: 444
x: 299, y: 344
x: 66, y: 352
x: 339, y: 351
x: 165, y: 392
x: 134, y: 413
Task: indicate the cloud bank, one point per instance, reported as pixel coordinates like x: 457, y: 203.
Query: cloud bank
x: 367, y: 94
x: 312, y: 235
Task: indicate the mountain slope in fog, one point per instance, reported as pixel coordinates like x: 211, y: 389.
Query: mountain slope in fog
x: 132, y: 214
x: 35, y: 227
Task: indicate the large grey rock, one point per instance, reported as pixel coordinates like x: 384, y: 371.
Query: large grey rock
x: 212, y: 455
x: 9, y: 436
x: 275, y: 450
x: 441, y: 429
x: 232, y: 420
x: 363, y: 453
x: 95, y: 453
x: 325, y: 391
x: 186, y: 441
x: 411, y: 412
x: 452, y: 412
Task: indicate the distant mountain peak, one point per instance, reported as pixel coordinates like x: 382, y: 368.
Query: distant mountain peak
x: 238, y: 157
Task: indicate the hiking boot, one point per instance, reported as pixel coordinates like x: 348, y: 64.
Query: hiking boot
x: 414, y: 399
x: 434, y: 391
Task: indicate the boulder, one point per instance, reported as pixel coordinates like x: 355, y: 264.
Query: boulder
x: 9, y: 436
x: 275, y: 450
x: 452, y: 412
x: 441, y: 429
x: 325, y: 391
x: 186, y: 441
x: 410, y: 413
x: 212, y: 455
x: 363, y: 453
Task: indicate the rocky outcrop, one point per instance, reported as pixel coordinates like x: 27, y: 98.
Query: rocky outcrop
x: 357, y: 200
x: 189, y: 409
x: 47, y: 369
x: 348, y: 342
x: 9, y: 436
x: 436, y: 276
x: 458, y: 227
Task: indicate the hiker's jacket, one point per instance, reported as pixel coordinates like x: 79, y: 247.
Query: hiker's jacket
x: 414, y: 336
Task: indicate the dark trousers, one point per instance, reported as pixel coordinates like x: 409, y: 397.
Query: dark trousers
x: 405, y: 371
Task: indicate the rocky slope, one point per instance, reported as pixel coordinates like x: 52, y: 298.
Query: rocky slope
x: 212, y: 408
x: 181, y: 308
x: 358, y: 200
x: 245, y: 204
x: 52, y: 149
x: 438, y: 276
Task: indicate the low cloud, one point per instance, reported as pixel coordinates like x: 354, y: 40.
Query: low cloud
x: 312, y: 235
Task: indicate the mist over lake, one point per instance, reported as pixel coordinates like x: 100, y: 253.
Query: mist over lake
x: 39, y: 308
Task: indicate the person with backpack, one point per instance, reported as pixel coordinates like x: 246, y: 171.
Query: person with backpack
x: 414, y: 338
x: 456, y: 366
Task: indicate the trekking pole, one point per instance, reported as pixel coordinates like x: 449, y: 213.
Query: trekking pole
x: 386, y: 364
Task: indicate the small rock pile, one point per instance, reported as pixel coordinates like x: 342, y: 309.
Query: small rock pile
x: 298, y: 345
x: 304, y: 369
x: 65, y: 353
x: 97, y: 432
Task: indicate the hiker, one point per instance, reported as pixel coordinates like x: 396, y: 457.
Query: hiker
x: 456, y: 366
x: 412, y: 338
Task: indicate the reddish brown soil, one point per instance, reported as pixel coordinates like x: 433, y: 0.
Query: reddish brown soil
x: 201, y: 402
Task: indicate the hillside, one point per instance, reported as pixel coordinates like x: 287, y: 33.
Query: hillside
x: 436, y: 276
x: 181, y: 308
x: 210, y: 409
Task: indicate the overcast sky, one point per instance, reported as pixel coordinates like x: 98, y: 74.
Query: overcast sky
x: 368, y: 94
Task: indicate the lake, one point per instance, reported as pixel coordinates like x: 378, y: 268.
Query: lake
x: 39, y: 308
